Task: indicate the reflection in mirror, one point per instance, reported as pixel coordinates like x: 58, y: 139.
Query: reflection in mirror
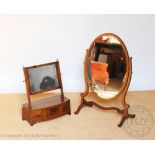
x: 106, y: 66
x: 43, y: 78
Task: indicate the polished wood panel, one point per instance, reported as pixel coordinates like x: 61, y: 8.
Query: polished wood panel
x: 53, y: 107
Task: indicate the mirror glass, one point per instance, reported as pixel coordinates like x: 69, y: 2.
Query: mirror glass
x: 106, y: 66
x: 43, y: 78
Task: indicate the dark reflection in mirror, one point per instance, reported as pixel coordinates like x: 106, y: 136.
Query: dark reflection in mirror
x: 43, y: 78
x: 106, y: 66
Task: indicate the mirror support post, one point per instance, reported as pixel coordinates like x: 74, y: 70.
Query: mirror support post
x: 27, y: 89
x: 83, y: 101
x: 126, y: 114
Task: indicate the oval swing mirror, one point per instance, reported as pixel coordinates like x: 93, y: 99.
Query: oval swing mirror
x: 107, y: 72
x: 107, y: 66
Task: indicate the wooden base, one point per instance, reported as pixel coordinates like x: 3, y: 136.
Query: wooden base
x: 123, y: 112
x: 46, y: 109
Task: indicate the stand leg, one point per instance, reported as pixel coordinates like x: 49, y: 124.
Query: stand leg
x: 125, y: 116
x: 69, y: 113
x: 79, y: 108
x: 23, y: 116
x: 83, y: 103
x: 32, y: 123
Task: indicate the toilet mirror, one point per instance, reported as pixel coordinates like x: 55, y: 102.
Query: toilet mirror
x: 107, y: 66
x: 107, y: 73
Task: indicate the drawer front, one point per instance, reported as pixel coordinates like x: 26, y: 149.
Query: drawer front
x: 52, y: 112
x: 36, y: 115
x: 66, y: 108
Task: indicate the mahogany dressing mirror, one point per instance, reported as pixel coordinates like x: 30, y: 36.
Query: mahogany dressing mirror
x: 107, y: 73
x: 40, y: 79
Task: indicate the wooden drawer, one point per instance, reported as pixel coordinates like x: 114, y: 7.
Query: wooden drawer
x: 46, y: 109
x: 52, y: 112
x: 36, y: 115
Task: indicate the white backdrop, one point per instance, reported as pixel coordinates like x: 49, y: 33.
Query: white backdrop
x: 33, y: 39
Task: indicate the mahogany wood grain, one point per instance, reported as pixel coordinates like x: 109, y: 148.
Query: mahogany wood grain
x: 46, y: 109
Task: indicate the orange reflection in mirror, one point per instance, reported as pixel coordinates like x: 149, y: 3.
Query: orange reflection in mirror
x: 99, y: 72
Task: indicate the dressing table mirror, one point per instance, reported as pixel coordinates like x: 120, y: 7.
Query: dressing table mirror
x: 40, y: 79
x: 107, y: 74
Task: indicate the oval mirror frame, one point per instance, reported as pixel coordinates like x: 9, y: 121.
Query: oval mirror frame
x: 127, y: 60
